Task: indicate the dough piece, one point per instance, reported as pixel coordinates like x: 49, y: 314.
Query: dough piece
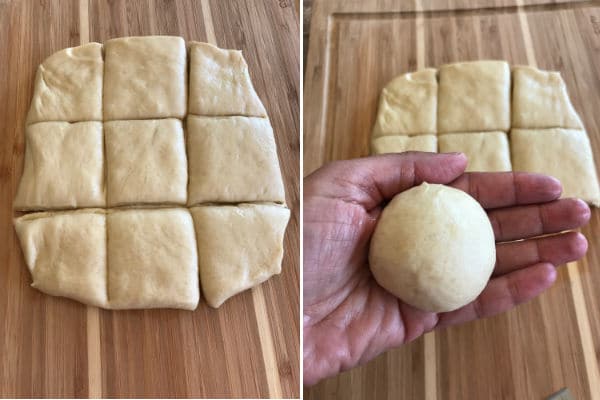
x: 146, y: 162
x: 474, y: 97
x: 64, y: 167
x: 486, y: 151
x: 408, y: 105
x: 220, y: 84
x: 565, y: 154
x: 240, y: 247
x: 66, y: 253
x: 399, y: 144
x: 145, y: 77
x: 153, y: 261
x: 233, y: 160
x: 433, y: 247
x: 68, y: 86
x: 540, y: 100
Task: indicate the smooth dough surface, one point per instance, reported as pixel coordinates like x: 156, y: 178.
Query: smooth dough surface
x: 239, y: 246
x: 145, y: 77
x: 233, y: 160
x: 486, y: 151
x: 399, y: 144
x: 433, y: 247
x: 68, y: 86
x: 146, y: 162
x: 565, y: 154
x: 66, y: 253
x: 153, y: 260
x: 474, y: 97
x: 64, y: 166
x: 220, y: 84
x: 540, y: 100
x: 408, y: 105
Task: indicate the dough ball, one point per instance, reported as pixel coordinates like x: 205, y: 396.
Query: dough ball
x: 433, y: 248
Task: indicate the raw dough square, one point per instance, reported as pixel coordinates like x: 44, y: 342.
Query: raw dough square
x: 152, y: 259
x: 64, y: 166
x: 145, y: 77
x: 563, y: 153
x: 474, y: 97
x: 540, y: 100
x: 408, y: 105
x: 399, y: 144
x: 240, y: 247
x: 220, y: 84
x: 486, y: 151
x: 232, y: 160
x: 68, y: 86
x: 66, y: 253
x: 145, y: 162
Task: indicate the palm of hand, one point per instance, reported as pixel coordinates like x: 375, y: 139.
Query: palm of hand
x: 349, y: 319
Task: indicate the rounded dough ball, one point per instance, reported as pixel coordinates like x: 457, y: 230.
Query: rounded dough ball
x: 433, y: 248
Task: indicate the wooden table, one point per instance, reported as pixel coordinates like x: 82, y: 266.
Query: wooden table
x: 356, y: 47
x: 60, y: 348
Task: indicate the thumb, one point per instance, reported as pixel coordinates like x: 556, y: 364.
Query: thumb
x: 369, y: 181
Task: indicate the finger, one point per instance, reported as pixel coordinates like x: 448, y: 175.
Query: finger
x: 535, y: 220
x: 369, y: 181
x: 505, y: 189
x: 556, y: 250
x: 503, y: 293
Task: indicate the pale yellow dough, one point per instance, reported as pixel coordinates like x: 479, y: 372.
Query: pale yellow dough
x: 66, y: 253
x: 474, y: 97
x: 540, y: 100
x: 433, y: 247
x: 220, y: 84
x: 232, y: 160
x: 146, y: 162
x: 153, y: 261
x: 565, y: 154
x: 68, y: 86
x: 145, y: 77
x: 399, y: 144
x: 408, y: 105
x: 64, y: 167
x: 486, y: 151
x: 240, y: 247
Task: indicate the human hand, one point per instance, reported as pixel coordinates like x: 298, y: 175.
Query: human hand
x: 349, y: 319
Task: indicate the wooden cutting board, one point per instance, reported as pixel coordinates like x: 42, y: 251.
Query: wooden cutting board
x: 60, y: 348
x: 356, y: 47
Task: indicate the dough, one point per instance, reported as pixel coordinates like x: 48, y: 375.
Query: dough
x: 66, y: 253
x: 233, y: 160
x: 540, y: 100
x: 68, y: 86
x: 220, y: 84
x: 145, y: 77
x: 433, y: 248
x: 64, y: 166
x: 408, y: 105
x: 399, y: 144
x: 153, y: 260
x: 474, y: 97
x: 565, y: 154
x: 240, y: 247
x: 146, y: 162
x: 486, y: 151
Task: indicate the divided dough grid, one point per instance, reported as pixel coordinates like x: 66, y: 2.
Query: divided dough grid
x: 493, y: 114
x: 201, y: 200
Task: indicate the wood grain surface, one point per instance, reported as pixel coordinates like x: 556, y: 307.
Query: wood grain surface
x: 60, y: 348
x: 355, y: 48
